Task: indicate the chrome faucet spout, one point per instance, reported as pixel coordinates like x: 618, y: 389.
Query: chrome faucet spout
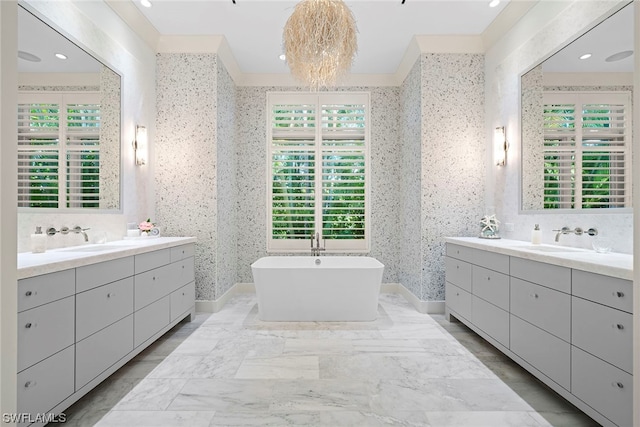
x: 79, y: 230
x: 563, y: 230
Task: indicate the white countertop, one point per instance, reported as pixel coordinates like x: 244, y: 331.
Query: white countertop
x: 30, y: 264
x: 611, y: 264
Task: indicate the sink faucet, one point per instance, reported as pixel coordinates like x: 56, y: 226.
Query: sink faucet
x: 79, y: 230
x: 315, y: 250
x: 563, y: 230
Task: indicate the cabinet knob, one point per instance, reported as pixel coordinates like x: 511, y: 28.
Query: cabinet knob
x: 28, y: 325
x: 619, y: 326
x: 29, y: 384
x: 618, y: 384
x: 534, y: 295
x: 154, y: 277
x: 618, y: 294
x: 457, y: 294
x: 28, y: 293
x: 111, y: 294
x: 488, y: 278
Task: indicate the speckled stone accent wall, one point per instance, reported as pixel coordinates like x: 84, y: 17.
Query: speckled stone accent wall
x: 385, y: 177
x: 410, y: 271
x: 227, y: 165
x: 186, y: 166
x: 532, y: 139
x: 109, y: 139
x: 453, y: 150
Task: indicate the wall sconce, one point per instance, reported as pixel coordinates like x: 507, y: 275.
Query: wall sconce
x: 500, y: 146
x: 140, y: 145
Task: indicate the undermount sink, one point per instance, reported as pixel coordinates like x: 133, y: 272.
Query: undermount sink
x: 542, y: 248
x: 97, y: 248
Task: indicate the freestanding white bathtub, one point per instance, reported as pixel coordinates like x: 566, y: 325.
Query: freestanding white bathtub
x: 296, y: 288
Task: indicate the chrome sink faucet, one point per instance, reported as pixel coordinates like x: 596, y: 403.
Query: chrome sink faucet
x: 79, y: 230
x: 578, y: 231
x: 563, y: 230
x: 315, y: 250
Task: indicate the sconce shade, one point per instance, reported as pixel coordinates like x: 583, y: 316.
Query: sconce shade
x: 140, y: 145
x: 500, y: 146
x: 319, y: 41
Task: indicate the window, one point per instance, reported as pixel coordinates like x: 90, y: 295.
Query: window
x: 58, y: 150
x: 318, y: 153
x: 587, y: 150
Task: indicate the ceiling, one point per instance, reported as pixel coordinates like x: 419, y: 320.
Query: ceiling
x: 253, y: 28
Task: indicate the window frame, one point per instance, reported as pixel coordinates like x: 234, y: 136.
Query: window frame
x: 571, y: 198
x: 303, y: 245
x: 66, y: 202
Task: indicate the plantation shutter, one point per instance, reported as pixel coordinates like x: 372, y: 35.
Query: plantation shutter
x: 317, y: 162
x: 58, y: 150
x: 587, y: 150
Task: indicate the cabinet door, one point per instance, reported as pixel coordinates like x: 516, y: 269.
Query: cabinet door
x: 183, y: 300
x: 491, y: 286
x: 610, y: 291
x: 182, y: 273
x: 551, y: 276
x: 94, y: 275
x: 102, y: 306
x: 45, y: 330
x: 545, y: 352
x: 40, y: 290
x: 543, y: 307
x: 151, y: 319
x: 604, y: 332
x: 458, y: 273
x: 153, y: 285
x: 101, y: 350
x: 46, y: 384
x: 602, y: 386
x: 458, y: 300
x: 493, y: 320
x: 182, y: 252
x: 150, y: 260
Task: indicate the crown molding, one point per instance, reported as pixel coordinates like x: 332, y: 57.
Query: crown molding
x: 136, y: 21
x: 510, y: 15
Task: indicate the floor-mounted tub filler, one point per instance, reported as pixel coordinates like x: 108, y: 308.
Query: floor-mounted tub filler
x: 317, y: 289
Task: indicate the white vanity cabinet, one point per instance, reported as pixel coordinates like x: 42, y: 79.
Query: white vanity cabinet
x: 78, y: 326
x: 569, y: 327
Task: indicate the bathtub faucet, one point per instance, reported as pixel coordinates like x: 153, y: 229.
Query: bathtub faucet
x: 315, y: 250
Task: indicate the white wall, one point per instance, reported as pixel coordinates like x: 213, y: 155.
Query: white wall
x: 527, y: 44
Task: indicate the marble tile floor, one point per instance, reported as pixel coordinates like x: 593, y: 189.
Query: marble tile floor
x: 404, y: 369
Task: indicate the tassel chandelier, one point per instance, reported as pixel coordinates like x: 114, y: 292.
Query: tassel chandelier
x: 319, y: 41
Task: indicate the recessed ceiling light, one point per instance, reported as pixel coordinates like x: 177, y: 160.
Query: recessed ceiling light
x: 283, y: 57
x: 585, y: 56
x: 28, y: 56
x: 145, y: 3
x: 619, y: 56
x: 61, y: 56
x: 494, y: 3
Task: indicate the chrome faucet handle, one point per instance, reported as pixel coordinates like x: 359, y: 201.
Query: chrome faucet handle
x: 78, y: 229
x: 578, y: 231
x: 564, y: 230
x: 592, y: 231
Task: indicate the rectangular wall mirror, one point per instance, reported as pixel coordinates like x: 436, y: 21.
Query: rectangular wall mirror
x: 576, y: 122
x: 68, y: 124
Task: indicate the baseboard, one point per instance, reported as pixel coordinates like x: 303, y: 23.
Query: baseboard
x: 427, y: 307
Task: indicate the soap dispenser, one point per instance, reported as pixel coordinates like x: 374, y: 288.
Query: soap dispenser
x: 38, y: 241
x: 536, y: 235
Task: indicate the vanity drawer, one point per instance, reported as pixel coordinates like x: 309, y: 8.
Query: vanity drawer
x: 491, y: 286
x: 462, y: 253
x: 46, y: 384
x: 491, y: 260
x: 491, y: 319
x: 545, y: 352
x: 602, y: 386
x: 150, y: 260
x: 458, y: 273
x: 182, y: 252
x: 607, y: 290
x: 101, y: 350
x: 182, y: 272
x: 543, y: 307
x: 151, y: 319
x: 458, y: 300
x: 153, y: 285
x: 604, y: 332
x: 182, y: 300
x: 45, y: 330
x: 551, y: 276
x: 39, y: 290
x: 94, y: 275
x: 102, y: 306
